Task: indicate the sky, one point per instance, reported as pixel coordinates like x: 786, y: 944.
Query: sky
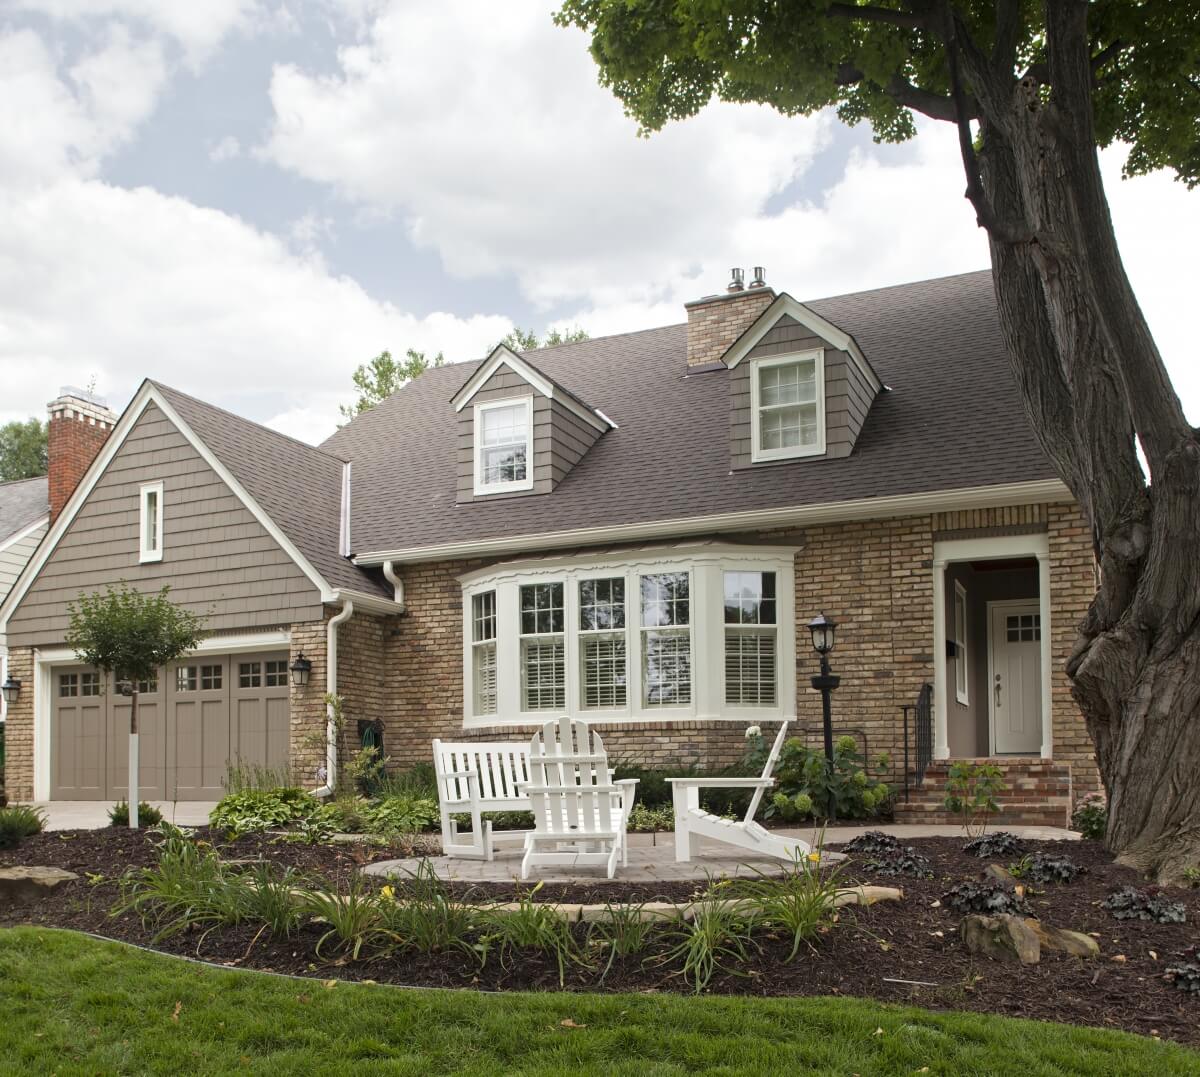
x: 246, y: 199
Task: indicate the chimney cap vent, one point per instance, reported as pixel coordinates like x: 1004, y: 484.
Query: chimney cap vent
x: 760, y: 278
x: 75, y: 393
x: 737, y: 278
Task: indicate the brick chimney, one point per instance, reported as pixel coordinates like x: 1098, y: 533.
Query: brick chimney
x: 79, y: 425
x: 716, y: 321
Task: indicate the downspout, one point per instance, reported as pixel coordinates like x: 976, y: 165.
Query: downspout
x: 389, y: 574
x: 331, y: 679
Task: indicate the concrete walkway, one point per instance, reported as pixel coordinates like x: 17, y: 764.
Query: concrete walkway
x: 93, y: 814
x: 652, y: 857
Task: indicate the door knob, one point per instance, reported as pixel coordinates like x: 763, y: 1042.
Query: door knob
x: 997, y: 689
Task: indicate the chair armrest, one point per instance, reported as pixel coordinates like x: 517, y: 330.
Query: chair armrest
x: 722, y: 783
x: 627, y: 788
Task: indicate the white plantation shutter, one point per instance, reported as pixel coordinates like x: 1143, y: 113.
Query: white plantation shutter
x: 483, y: 652
x: 545, y: 674
x: 603, y: 658
x: 751, y: 644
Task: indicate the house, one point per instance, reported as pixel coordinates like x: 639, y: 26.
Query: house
x: 24, y: 517
x: 635, y: 529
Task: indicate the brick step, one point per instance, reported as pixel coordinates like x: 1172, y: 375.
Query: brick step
x: 1037, y: 813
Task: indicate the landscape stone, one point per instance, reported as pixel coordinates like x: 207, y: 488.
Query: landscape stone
x: 27, y: 885
x: 1069, y: 942
x: 1002, y: 937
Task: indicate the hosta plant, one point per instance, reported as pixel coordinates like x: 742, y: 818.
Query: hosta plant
x: 902, y: 861
x: 873, y: 843
x: 1042, y: 867
x: 1001, y: 843
x: 990, y: 898
x: 1149, y: 903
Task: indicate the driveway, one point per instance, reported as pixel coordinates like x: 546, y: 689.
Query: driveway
x: 93, y: 814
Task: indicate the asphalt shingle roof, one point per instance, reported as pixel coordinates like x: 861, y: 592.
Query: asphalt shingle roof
x: 22, y: 503
x: 952, y: 418
x: 299, y: 486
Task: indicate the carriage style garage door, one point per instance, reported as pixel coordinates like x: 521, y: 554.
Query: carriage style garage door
x: 193, y: 719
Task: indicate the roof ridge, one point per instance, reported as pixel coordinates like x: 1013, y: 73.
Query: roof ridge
x: 31, y: 478
x: 895, y: 287
x: 249, y: 422
x: 606, y: 336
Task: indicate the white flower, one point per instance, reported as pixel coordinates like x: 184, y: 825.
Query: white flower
x: 753, y: 731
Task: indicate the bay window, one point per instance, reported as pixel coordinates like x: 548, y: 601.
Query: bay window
x: 681, y: 633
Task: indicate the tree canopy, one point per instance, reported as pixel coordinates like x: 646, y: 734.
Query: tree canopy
x: 22, y: 450
x: 134, y: 635
x: 880, y: 62
x: 526, y: 340
x: 383, y: 375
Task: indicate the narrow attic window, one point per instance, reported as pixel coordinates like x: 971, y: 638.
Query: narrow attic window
x: 504, y: 446
x: 787, y: 406
x: 150, y: 522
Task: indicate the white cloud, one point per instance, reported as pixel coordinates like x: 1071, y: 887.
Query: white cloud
x: 491, y: 139
x: 226, y: 149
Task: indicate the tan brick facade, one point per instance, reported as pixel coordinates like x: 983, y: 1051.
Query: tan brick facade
x: 18, y: 735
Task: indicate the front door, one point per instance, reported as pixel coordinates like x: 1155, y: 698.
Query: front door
x: 1015, y: 676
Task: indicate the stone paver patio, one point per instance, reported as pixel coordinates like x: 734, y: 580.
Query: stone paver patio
x: 652, y: 857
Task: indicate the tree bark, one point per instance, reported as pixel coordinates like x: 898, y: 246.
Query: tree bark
x: 1092, y: 378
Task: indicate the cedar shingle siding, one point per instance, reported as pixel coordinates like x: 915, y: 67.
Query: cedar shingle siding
x: 218, y: 559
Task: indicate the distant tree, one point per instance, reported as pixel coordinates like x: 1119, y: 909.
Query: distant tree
x: 526, y: 340
x: 133, y: 635
x: 383, y: 375
x: 22, y: 450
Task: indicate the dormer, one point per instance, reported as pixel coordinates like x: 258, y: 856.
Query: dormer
x: 519, y: 432
x: 799, y: 386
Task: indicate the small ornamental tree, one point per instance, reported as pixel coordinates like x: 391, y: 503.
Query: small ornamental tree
x: 133, y: 635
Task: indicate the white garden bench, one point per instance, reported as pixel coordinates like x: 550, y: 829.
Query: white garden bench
x: 474, y: 777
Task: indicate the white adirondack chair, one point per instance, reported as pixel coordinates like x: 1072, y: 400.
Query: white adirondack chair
x: 579, y: 812
x: 693, y: 823
x: 475, y: 777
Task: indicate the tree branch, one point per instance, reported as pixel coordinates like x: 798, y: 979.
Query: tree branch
x: 905, y: 20
x: 1008, y: 37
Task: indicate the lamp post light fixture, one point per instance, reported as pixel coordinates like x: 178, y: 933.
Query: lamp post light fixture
x: 824, y: 632
x: 10, y: 689
x: 301, y: 670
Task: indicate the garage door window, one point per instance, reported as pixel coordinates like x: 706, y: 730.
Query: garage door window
x: 211, y: 677
x: 68, y: 684
x: 89, y: 684
x: 276, y: 674
x: 249, y: 675
x: 186, y: 678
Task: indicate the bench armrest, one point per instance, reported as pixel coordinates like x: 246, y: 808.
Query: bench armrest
x: 722, y: 783
x: 458, y: 774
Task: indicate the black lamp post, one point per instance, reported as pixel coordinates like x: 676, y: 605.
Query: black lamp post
x: 301, y: 669
x: 823, y: 632
x: 10, y: 689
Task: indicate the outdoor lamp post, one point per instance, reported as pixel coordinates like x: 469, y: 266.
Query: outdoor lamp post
x: 823, y: 631
x: 301, y: 670
x: 10, y: 689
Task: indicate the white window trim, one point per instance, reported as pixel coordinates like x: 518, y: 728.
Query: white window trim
x: 482, y: 488
x: 961, y: 660
x: 145, y: 554
x: 759, y: 454
x: 706, y: 564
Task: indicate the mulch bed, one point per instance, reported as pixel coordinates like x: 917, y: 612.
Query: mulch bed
x: 915, y: 939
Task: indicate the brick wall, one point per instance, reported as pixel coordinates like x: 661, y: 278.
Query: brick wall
x: 715, y: 322
x: 78, y: 428
x: 18, y: 735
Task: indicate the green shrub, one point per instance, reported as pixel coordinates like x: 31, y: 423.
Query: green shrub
x: 148, y: 815
x: 806, y: 785
x: 401, y: 812
x: 418, y: 781
x: 252, y: 810
x: 419, y: 914
x: 971, y: 792
x: 1150, y: 903
x: 1090, y: 816
x: 654, y: 790
x: 500, y: 820
x: 801, y: 902
x: 1045, y: 868
x: 1001, y: 843
x: 645, y: 820
x: 19, y: 821
x: 987, y: 897
x: 1191, y: 875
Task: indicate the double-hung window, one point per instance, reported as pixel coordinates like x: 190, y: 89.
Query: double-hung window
x: 751, y: 665
x: 543, y: 647
x: 787, y: 397
x: 483, y: 652
x: 504, y: 446
x: 666, y: 639
x: 961, y: 680
x: 604, y: 672
x: 150, y: 522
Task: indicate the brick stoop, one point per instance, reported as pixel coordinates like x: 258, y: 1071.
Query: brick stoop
x: 1038, y: 794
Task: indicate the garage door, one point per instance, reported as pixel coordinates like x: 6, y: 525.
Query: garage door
x: 194, y: 719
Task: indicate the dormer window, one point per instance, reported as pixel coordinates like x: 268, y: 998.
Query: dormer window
x: 787, y: 399
x: 504, y: 446
x: 150, y: 522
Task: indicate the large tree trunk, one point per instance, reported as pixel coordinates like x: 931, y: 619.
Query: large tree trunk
x: 1092, y: 378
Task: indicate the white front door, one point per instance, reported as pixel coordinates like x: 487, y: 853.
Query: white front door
x: 1015, y: 677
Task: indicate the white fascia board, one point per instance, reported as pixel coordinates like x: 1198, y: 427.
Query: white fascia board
x: 368, y: 603
x: 147, y: 394
x: 810, y: 319
x: 505, y: 356
x: 869, y: 508
x: 24, y: 533
x: 271, y: 639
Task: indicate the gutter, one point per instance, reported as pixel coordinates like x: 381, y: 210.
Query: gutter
x: 331, y: 665
x: 389, y: 574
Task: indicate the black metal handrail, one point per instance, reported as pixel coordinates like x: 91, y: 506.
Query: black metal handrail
x: 922, y: 712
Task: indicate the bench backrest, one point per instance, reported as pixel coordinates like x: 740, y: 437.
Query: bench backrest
x: 570, y: 786
x: 768, y: 770
x: 498, y: 765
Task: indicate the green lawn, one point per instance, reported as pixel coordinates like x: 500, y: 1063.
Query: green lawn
x: 69, y: 1004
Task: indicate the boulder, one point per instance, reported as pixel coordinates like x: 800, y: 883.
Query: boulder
x: 1069, y: 942
x: 866, y: 895
x: 1000, y: 874
x: 25, y: 886
x: 1003, y: 937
